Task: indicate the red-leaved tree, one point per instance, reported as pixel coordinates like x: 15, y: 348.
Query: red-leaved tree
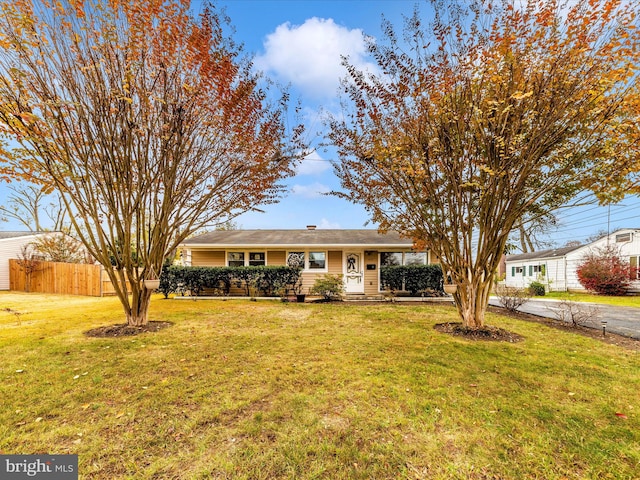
x: 604, y: 271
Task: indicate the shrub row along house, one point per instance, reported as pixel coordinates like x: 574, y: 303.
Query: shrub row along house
x: 556, y: 268
x: 357, y: 255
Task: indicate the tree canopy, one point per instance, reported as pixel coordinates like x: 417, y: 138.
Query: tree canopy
x: 491, y: 113
x: 148, y: 120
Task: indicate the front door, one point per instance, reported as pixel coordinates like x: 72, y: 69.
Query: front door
x: 353, y: 272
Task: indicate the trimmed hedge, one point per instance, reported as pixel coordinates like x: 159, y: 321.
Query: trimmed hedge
x: 412, y: 278
x: 265, y: 280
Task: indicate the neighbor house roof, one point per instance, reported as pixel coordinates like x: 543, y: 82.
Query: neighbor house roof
x: 6, y: 235
x: 291, y: 238
x: 551, y: 253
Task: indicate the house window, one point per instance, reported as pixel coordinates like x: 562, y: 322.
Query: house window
x: 307, y: 260
x: 317, y: 260
x: 389, y: 259
x: 295, y: 259
x: 623, y: 237
x: 536, y: 270
x: 257, y: 259
x: 415, y: 258
x: 235, y: 259
x: 634, y: 264
x: 517, y: 271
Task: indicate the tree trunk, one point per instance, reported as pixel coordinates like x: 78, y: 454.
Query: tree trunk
x: 472, y: 298
x: 137, y: 314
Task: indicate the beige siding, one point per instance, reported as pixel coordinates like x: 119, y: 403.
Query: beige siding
x: 334, y: 262
x: 371, y: 276
x: 208, y: 258
x: 276, y: 257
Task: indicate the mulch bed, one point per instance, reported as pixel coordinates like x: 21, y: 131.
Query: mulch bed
x: 125, y: 330
x: 487, y: 333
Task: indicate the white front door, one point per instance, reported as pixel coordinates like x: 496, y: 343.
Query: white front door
x: 353, y: 272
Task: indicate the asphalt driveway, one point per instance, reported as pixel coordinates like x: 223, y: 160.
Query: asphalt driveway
x: 621, y: 320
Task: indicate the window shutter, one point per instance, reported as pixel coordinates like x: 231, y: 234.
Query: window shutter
x: 530, y: 270
x: 524, y: 271
x: 543, y: 269
x: 513, y: 271
x: 633, y: 268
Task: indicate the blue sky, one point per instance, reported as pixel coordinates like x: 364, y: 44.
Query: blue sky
x: 299, y: 43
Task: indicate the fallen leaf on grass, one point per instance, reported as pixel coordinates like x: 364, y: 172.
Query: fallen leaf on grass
x: 621, y: 415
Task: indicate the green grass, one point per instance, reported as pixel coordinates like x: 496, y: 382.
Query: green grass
x: 623, y: 301
x: 266, y: 390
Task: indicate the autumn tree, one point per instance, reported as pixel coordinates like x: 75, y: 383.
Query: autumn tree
x: 60, y: 247
x: 491, y: 111
x: 148, y: 120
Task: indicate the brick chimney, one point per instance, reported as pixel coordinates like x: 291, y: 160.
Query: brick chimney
x: 311, y: 227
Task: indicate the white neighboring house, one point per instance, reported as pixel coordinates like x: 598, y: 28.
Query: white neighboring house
x: 556, y: 268
x: 11, y: 244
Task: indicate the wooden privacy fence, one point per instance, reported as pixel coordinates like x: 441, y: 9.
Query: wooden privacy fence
x: 62, y: 278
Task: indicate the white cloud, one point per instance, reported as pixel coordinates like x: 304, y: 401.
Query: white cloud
x: 324, y: 223
x: 308, y: 55
x: 314, y: 190
x: 313, y: 164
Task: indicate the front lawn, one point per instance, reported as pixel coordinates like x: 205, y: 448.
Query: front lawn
x: 267, y: 390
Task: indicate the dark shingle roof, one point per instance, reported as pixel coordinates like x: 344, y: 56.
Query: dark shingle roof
x: 551, y: 253
x: 325, y: 237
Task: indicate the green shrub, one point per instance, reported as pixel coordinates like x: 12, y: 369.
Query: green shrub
x: 413, y: 278
x: 329, y: 286
x: 266, y: 280
x: 537, y: 289
x: 168, y: 281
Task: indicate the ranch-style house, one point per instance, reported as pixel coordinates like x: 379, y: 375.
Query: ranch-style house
x: 356, y: 254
